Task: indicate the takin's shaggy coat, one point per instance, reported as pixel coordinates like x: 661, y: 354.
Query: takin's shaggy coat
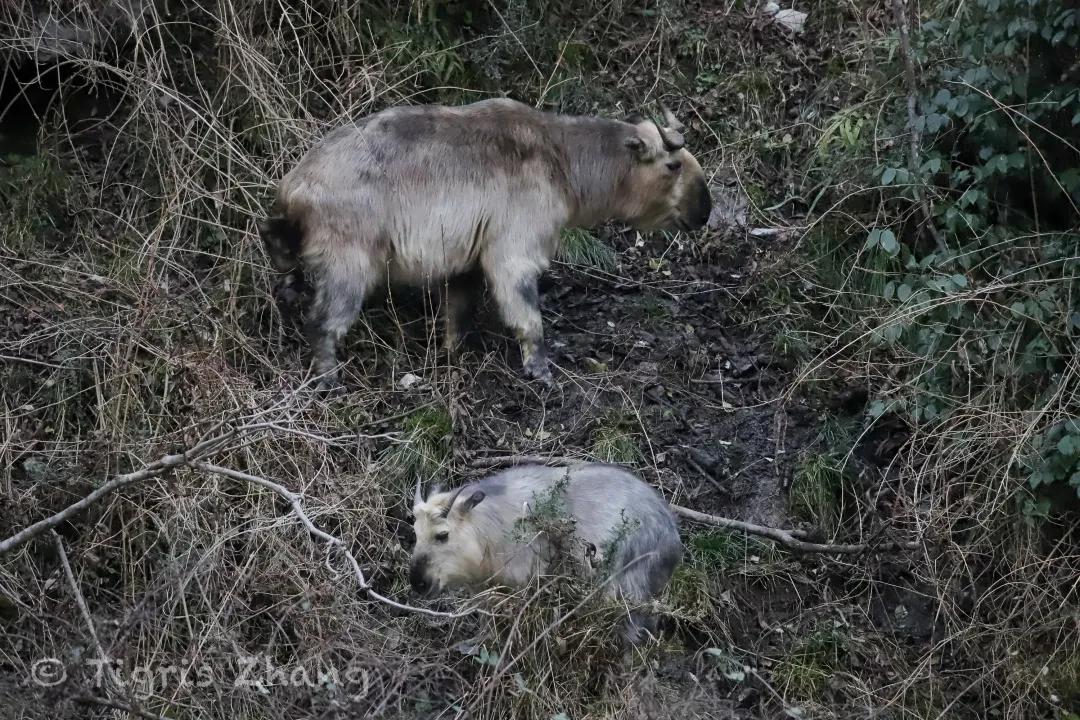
x: 498, y: 530
x: 429, y: 195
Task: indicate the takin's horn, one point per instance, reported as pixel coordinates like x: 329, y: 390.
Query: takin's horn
x: 671, y: 132
x: 452, y: 500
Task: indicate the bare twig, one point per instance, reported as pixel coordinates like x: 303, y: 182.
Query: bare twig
x: 787, y: 538
x: 192, y: 459
x: 83, y: 609
x: 294, y: 503
x: 914, y: 137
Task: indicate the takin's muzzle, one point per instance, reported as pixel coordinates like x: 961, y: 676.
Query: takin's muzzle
x: 418, y: 576
x: 699, y: 207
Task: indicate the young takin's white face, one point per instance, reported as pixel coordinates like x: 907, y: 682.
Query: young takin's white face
x: 448, y: 552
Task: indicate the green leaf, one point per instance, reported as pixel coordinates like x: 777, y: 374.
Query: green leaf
x: 1069, y: 445
x: 959, y: 281
x: 903, y: 292
x: 888, y: 242
x: 889, y: 175
x: 1018, y: 308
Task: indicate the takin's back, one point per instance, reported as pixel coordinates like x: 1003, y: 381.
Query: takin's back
x: 425, y: 188
x: 611, y: 506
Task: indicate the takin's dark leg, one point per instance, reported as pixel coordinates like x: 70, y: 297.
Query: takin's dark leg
x: 518, y: 299
x: 340, y: 289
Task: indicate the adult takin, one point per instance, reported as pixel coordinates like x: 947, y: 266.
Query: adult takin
x: 498, y: 531
x: 431, y: 196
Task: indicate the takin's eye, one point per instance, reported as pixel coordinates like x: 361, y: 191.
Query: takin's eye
x: 674, y: 166
x: 442, y: 537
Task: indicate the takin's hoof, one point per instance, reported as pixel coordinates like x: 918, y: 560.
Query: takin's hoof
x: 537, y: 368
x: 330, y: 387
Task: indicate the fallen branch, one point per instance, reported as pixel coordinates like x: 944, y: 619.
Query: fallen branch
x: 788, y: 538
x: 512, y: 460
x: 193, y: 458
x: 152, y: 470
x: 84, y: 610
x: 294, y: 503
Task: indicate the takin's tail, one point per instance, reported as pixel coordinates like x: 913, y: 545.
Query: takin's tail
x: 282, y: 239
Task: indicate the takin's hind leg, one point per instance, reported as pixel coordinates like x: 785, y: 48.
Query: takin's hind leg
x: 518, y: 299
x: 339, y: 297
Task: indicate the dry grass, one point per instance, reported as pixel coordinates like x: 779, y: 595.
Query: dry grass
x: 139, y: 316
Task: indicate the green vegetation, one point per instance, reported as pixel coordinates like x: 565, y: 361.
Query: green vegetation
x: 581, y: 247
x: 614, y: 439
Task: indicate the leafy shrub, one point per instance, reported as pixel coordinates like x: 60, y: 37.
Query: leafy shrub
x: 991, y: 310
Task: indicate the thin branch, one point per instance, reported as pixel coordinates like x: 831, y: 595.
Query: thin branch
x: 512, y: 460
x: 192, y: 458
x: 294, y: 503
x: 914, y: 136
x: 84, y: 610
x: 152, y: 470
x: 787, y: 538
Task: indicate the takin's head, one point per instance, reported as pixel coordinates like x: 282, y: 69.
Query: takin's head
x: 448, y: 552
x: 667, y: 188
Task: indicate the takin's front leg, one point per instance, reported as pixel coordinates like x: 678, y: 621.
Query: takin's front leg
x: 513, y: 284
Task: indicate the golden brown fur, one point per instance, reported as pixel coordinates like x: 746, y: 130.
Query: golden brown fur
x: 420, y: 195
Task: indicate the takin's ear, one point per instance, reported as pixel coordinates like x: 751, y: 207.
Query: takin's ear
x: 472, y: 501
x: 639, y: 147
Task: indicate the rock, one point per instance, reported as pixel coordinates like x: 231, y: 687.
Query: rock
x: 791, y: 19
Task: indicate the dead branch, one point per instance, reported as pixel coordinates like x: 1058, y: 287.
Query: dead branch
x: 193, y: 458
x: 152, y: 470
x: 512, y: 460
x: 787, y: 538
x: 294, y: 503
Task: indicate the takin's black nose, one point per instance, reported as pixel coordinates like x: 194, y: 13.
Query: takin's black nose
x: 700, y: 206
x: 418, y: 576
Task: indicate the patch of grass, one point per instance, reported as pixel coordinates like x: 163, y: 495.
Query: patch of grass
x: 581, y: 247
x: 425, y: 450
x: 803, y: 672
x: 711, y: 557
x: 615, y: 440
x: 31, y: 194
x: 816, y: 489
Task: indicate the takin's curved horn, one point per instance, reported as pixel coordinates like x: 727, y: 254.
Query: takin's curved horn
x: 452, y: 500
x: 671, y: 133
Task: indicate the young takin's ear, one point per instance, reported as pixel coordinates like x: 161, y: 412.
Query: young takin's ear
x: 472, y: 501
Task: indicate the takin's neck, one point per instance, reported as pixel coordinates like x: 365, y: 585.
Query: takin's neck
x: 598, y: 165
